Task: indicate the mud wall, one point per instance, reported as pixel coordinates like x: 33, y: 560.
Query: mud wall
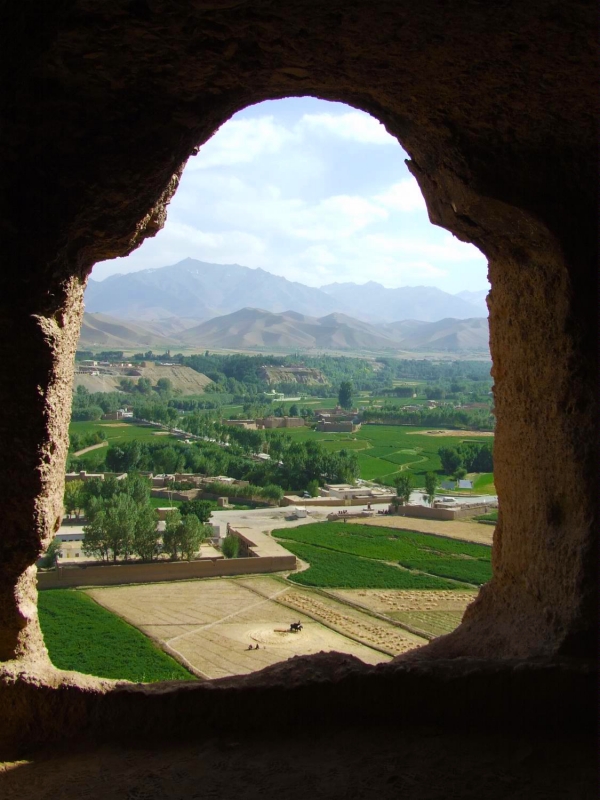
x: 125, y: 574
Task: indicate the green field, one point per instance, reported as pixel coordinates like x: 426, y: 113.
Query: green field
x: 81, y: 635
x: 484, y: 483
x: 335, y: 570
x: 360, y: 556
x: 163, y: 502
x: 491, y: 517
x: 119, y: 432
x: 384, y: 450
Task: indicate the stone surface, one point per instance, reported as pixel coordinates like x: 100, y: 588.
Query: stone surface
x: 385, y: 763
x: 496, y: 105
x: 327, y: 690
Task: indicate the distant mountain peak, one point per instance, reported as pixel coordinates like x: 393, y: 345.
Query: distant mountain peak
x: 195, y: 289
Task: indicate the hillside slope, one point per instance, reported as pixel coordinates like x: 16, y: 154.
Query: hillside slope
x: 253, y: 328
x: 100, y: 330
x: 256, y: 328
x: 183, y: 379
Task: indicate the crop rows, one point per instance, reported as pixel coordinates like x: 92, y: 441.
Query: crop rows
x: 337, y: 570
x: 81, y: 635
x: 444, y: 558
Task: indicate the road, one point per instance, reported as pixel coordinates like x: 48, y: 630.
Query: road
x: 267, y: 519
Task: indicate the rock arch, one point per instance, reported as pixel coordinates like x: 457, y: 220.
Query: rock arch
x: 107, y: 103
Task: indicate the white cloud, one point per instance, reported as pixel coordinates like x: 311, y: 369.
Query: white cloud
x: 354, y: 125
x: 290, y: 195
x: 402, y: 196
x: 335, y: 217
x: 241, y: 141
x: 448, y: 248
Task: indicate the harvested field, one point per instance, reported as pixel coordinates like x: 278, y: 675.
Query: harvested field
x: 210, y: 624
x: 452, y: 529
x: 368, y: 630
x: 431, y: 612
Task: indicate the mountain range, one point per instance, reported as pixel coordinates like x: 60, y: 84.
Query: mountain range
x: 193, y: 291
x: 257, y: 329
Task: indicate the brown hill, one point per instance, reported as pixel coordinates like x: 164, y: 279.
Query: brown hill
x: 100, y: 330
x: 254, y: 328
x: 184, y: 379
x: 301, y: 375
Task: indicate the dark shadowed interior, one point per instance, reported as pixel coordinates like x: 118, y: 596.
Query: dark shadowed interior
x: 496, y: 105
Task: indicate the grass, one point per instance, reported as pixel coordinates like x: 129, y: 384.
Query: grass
x: 81, y: 635
x: 163, y: 502
x: 372, y: 468
x: 491, y: 517
x: 124, y: 432
x: 484, y: 483
x: 347, y: 544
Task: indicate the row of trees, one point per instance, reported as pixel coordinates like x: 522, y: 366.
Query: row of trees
x: 443, y: 416
x: 404, y: 484
x: 121, y: 522
x: 467, y: 457
x: 225, y: 452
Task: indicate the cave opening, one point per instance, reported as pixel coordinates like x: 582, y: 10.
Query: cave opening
x: 111, y: 104
x: 316, y: 202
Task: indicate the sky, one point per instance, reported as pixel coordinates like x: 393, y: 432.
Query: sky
x: 314, y: 191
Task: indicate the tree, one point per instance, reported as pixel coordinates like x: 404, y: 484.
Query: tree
x: 202, y: 509
x: 460, y: 473
x: 120, y: 519
x: 451, y: 459
x: 191, y: 535
x: 403, y: 483
x: 345, y: 394
x: 87, y: 414
x: 145, y: 537
x: 126, y: 385
x: 294, y: 411
x: 312, y: 487
x: 48, y: 560
x: 231, y: 546
x: 74, y: 497
x: 137, y: 488
x: 144, y: 386
x: 272, y: 492
x: 168, y: 459
x: 164, y: 387
x: 95, y: 543
x: 171, y: 534
x: 431, y: 484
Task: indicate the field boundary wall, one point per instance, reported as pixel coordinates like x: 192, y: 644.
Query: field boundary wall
x: 123, y: 574
x: 426, y: 512
x: 294, y: 500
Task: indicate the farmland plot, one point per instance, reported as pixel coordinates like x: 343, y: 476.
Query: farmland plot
x: 210, y: 624
x: 363, y: 554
